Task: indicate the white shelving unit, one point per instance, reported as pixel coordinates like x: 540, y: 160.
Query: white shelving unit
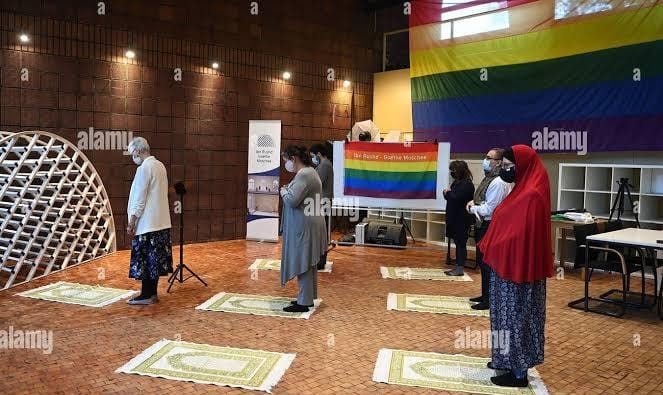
x: 594, y: 187
x: 425, y: 225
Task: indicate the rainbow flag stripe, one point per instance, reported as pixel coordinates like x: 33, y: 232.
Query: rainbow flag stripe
x: 600, y: 73
x: 391, y: 170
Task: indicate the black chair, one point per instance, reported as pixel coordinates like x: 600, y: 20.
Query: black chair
x: 613, y: 261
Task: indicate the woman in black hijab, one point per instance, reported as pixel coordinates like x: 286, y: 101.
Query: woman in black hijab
x: 458, y: 221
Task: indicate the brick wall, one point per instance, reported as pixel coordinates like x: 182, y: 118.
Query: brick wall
x: 79, y: 78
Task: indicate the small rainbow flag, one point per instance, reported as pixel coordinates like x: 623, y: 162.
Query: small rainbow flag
x: 391, y: 170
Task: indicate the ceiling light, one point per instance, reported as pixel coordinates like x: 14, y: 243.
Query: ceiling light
x: 287, y: 75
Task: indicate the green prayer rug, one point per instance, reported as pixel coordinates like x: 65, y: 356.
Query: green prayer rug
x: 455, y: 305
x: 81, y: 294
x: 446, y: 372
x: 275, y: 264
x: 419, y: 273
x: 205, y: 364
x: 254, y: 304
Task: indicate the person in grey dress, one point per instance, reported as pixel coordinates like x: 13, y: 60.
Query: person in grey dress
x: 303, y: 225
x: 320, y: 154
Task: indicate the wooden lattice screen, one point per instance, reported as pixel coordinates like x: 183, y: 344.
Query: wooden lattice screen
x: 54, y: 210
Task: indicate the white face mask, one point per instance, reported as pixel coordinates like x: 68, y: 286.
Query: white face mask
x: 316, y: 160
x: 137, y: 160
x: 290, y: 166
x: 486, y: 165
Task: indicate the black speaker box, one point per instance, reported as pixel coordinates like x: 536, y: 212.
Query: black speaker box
x: 381, y: 232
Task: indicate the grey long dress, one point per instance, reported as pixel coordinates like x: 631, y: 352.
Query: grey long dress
x: 304, y: 233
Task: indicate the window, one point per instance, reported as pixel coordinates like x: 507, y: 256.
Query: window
x: 571, y: 8
x: 460, y: 22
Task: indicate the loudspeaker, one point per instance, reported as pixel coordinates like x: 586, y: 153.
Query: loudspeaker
x: 380, y: 232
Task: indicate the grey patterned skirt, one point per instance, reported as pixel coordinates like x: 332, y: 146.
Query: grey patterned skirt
x: 518, y: 318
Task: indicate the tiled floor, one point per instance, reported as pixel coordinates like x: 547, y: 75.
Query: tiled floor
x: 336, y: 349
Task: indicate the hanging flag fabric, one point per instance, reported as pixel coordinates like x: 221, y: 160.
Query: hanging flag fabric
x: 577, y: 79
x: 391, y: 170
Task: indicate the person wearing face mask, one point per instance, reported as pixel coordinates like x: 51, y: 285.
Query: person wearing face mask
x: 458, y: 221
x: 491, y: 192
x: 149, y: 222
x: 303, y: 225
x: 517, y: 248
x: 325, y: 170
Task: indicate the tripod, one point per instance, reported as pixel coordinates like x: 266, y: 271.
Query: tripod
x: 179, y: 271
x: 624, y: 188
x: 401, y: 221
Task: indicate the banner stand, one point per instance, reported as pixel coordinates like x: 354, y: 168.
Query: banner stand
x: 264, y: 171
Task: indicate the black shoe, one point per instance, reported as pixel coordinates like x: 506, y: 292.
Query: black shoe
x: 295, y: 308
x: 480, y: 306
x: 293, y: 302
x: 509, y: 380
x: 477, y: 299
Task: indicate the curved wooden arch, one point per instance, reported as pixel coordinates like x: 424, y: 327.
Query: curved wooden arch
x: 54, y: 209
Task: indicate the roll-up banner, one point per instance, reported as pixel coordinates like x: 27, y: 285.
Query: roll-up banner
x: 262, y: 216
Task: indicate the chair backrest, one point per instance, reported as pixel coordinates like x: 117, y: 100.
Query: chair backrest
x: 581, y: 232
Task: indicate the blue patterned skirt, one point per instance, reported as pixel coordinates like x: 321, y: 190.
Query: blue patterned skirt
x: 517, y: 313
x: 151, y: 255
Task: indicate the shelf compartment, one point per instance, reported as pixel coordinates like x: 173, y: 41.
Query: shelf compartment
x: 633, y: 175
x: 598, y: 179
x: 572, y: 177
x: 571, y: 200
x: 597, y: 202
x: 651, y: 209
x: 652, y: 181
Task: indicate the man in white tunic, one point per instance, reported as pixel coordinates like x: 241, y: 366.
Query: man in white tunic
x: 489, y: 194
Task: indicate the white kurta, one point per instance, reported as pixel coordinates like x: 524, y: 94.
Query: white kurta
x: 304, y: 231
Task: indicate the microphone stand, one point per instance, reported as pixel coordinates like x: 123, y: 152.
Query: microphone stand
x: 178, y: 275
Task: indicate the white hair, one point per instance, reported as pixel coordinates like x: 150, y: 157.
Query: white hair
x: 138, y: 145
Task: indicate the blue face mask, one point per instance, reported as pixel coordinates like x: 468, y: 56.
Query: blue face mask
x: 316, y: 160
x: 486, y: 165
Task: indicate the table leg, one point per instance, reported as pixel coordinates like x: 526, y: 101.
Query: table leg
x: 562, y: 248
x: 586, y: 276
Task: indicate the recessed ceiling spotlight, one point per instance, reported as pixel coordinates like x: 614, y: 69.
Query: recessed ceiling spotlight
x: 215, y: 65
x: 24, y: 38
x: 287, y: 75
x: 346, y: 83
x: 130, y: 54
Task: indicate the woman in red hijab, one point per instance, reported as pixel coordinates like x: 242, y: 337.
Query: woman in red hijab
x: 518, y: 250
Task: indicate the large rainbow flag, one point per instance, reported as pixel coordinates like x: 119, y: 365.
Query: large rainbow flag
x: 542, y: 71
x: 391, y: 170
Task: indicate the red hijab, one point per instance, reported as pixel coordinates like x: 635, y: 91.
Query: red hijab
x: 517, y: 245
